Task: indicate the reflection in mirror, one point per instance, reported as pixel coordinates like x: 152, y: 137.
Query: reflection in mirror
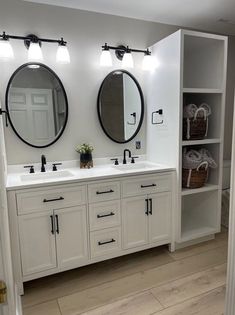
x: 120, y: 106
x: 37, y: 105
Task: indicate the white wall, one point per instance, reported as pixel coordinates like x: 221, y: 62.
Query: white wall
x: 85, y: 33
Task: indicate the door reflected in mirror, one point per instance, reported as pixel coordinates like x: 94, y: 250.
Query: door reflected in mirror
x: 37, y: 105
x: 120, y: 106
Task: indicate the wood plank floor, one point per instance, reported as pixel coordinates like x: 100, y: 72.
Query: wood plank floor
x: 190, y: 281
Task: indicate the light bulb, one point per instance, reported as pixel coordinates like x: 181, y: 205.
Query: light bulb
x: 147, y: 64
x: 106, y: 59
x: 35, y: 52
x: 62, y: 55
x: 127, y: 61
x: 6, y: 51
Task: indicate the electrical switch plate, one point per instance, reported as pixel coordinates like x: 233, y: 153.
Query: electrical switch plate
x: 138, y: 145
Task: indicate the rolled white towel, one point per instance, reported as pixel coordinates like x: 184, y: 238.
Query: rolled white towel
x: 207, y: 109
x: 189, y: 110
x: 191, y: 159
x: 206, y: 156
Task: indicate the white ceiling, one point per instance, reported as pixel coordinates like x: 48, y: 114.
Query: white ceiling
x: 200, y: 14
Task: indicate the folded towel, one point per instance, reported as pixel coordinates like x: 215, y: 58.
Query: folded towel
x: 194, y: 158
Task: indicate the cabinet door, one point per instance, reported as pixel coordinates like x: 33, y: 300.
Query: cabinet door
x: 134, y: 222
x: 37, y: 242
x: 160, y: 216
x: 71, y: 236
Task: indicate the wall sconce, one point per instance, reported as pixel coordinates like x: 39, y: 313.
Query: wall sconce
x: 124, y: 53
x: 33, y: 44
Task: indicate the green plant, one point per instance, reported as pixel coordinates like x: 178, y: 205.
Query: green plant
x: 84, y: 148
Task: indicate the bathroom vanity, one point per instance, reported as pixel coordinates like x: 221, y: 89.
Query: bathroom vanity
x: 67, y: 222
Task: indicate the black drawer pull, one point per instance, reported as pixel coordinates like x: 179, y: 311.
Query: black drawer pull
x: 52, y: 225
x: 106, y: 242
x: 56, y: 199
x: 146, y: 186
x: 105, y: 215
x: 104, y: 192
x: 147, y: 206
x: 151, y: 206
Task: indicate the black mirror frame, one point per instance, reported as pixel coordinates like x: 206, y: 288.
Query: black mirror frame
x: 7, y: 107
x: 142, y: 106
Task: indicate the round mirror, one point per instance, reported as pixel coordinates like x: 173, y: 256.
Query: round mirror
x: 37, y: 105
x: 120, y: 106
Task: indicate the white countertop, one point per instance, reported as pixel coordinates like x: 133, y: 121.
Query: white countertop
x: 19, y: 178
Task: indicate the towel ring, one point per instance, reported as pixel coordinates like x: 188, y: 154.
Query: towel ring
x: 159, y: 112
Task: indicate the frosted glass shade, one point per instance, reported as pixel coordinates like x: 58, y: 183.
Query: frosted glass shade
x: 106, y: 59
x: 127, y: 61
x: 35, y: 52
x: 62, y: 55
x: 147, y: 64
x: 6, y: 51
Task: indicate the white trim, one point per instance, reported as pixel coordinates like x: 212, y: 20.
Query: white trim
x: 10, y: 308
x: 230, y: 292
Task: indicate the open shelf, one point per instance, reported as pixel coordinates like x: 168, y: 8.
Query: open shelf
x: 207, y: 187
x: 202, y: 90
x: 203, y: 62
x: 214, y: 149
x: 214, y: 101
x: 197, y: 232
x: 199, y: 215
x: 200, y: 142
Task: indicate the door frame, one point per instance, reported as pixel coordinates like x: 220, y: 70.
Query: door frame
x: 230, y: 288
x: 13, y: 305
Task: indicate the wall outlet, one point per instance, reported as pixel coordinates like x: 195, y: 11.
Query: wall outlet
x: 138, y: 145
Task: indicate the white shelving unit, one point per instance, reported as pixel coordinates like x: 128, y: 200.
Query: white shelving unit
x: 192, y: 69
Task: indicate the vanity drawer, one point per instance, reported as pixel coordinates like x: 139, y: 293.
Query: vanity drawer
x: 103, y: 191
x: 50, y: 199
x: 143, y: 185
x: 104, y: 215
x: 105, y: 242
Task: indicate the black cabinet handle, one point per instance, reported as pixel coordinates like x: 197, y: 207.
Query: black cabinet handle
x: 52, y: 225
x: 147, y: 207
x: 56, y: 199
x: 57, y: 224
x: 106, y: 242
x: 105, y: 215
x: 54, y: 168
x: 31, y: 168
x: 146, y: 186
x: 151, y: 206
x: 104, y: 192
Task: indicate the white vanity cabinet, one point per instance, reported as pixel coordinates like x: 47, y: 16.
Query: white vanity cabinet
x: 105, y: 218
x: 61, y: 227
x: 53, y: 239
x: 147, y: 216
x: 50, y: 229
x: 37, y: 243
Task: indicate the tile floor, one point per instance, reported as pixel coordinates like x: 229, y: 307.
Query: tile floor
x: 190, y: 281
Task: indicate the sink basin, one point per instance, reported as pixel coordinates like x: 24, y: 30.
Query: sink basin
x: 135, y: 166
x: 45, y: 176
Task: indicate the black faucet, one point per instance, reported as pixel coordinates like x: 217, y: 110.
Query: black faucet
x: 124, y: 155
x: 44, y: 161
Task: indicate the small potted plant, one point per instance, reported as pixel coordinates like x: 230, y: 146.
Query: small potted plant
x: 85, y: 151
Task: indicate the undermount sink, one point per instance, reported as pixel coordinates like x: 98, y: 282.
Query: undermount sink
x: 45, y: 176
x: 135, y: 166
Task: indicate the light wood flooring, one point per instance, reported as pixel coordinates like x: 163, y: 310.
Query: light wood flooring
x: 190, y: 281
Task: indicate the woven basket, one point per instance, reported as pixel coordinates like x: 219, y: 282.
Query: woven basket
x: 195, y: 178
x: 195, y: 128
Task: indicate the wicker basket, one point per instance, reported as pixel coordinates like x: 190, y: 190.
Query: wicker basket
x: 195, y: 178
x: 195, y: 128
